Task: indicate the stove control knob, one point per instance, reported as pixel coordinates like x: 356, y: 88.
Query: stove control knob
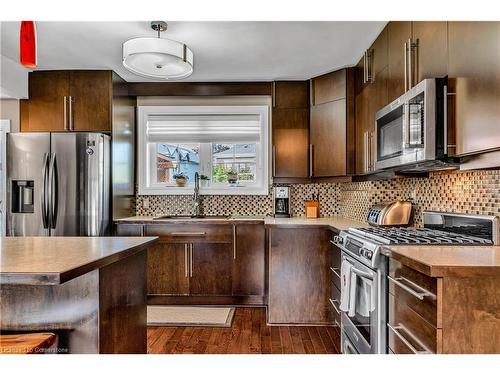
x: 339, y: 240
x: 369, y: 254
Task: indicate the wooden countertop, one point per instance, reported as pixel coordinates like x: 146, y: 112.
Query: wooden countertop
x: 55, y: 260
x: 440, y: 261
x: 333, y: 222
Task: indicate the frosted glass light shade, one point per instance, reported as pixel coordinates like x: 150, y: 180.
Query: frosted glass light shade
x: 157, y: 58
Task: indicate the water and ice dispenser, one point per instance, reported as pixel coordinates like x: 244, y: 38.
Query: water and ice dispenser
x: 23, y: 196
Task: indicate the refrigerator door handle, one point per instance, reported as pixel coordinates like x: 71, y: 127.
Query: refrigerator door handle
x: 54, y: 191
x: 45, y: 191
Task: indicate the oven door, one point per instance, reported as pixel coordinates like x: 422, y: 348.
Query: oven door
x: 364, y: 326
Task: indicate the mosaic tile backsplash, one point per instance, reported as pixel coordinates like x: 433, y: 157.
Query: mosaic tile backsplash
x: 473, y: 192
x: 240, y: 204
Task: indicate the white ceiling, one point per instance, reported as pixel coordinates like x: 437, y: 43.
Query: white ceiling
x: 223, y: 51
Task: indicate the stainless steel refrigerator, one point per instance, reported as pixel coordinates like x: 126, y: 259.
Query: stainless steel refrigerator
x: 58, y: 184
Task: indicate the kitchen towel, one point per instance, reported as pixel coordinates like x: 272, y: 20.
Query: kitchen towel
x: 345, y: 282
x: 353, y: 289
x: 365, y: 303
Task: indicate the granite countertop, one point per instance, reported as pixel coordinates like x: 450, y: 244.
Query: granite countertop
x: 55, y: 260
x: 446, y: 260
x: 176, y: 220
x: 334, y: 222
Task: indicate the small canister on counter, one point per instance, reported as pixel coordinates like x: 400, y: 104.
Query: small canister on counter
x: 312, y: 207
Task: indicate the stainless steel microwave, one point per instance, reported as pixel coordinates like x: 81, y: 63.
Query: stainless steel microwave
x: 411, y: 132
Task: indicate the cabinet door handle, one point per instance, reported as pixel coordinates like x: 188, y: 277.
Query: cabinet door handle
x: 187, y: 234
x: 414, y: 350
x: 70, y: 113
x: 334, y: 270
x: 274, y: 160
x: 234, y: 241
x: 191, y: 260
x: 369, y: 68
x: 406, y: 65
x: 311, y: 171
x: 186, y: 260
x: 364, y: 67
x: 332, y: 302
x: 369, y: 152
x: 410, y: 70
x: 420, y: 293
x: 367, y: 156
x: 415, y: 62
x: 65, y: 113
x: 371, y: 160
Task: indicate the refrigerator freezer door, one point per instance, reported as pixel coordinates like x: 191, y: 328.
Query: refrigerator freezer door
x: 80, y: 188
x: 27, y: 166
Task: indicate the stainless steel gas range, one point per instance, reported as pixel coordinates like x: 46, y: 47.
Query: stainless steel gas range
x: 364, y: 316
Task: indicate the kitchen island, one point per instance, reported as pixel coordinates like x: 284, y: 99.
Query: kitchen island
x: 90, y: 291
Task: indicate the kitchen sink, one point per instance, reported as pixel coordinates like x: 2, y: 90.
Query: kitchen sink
x: 183, y: 217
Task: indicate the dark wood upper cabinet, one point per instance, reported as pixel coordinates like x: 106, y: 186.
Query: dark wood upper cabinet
x: 46, y: 107
x: 328, y: 139
x: 432, y: 49
x: 211, y: 265
x: 73, y: 100
x: 91, y: 94
x: 249, y: 260
x: 291, y: 94
x: 329, y: 87
x: 290, y: 123
x: 300, y: 279
x: 398, y: 33
x: 332, y: 124
x: 474, y: 71
x: 379, y: 53
x: 474, y: 49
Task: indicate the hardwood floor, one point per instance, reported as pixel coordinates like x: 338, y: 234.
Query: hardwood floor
x: 249, y: 334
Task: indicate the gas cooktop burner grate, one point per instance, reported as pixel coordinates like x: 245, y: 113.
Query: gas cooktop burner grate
x: 392, y: 236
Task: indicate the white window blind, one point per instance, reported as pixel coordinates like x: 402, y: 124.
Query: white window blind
x: 203, y: 128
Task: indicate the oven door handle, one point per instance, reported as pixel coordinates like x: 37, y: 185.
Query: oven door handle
x: 360, y: 273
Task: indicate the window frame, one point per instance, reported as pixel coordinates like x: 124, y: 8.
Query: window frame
x: 145, y: 161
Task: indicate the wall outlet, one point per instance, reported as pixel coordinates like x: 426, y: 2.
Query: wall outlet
x: 145, y: 203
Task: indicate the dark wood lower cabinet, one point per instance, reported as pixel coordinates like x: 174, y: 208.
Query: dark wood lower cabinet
x: 224, y: 266
x: 168, y: 269
x: 249, y: 261
x: 211, y: 269
x: 299, y: 276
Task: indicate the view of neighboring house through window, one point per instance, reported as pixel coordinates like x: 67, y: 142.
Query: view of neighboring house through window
x: 227, y: 146
x: 176, y: 158
x: 236, y: 158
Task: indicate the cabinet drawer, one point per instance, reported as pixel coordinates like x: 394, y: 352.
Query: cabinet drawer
x: 192, y: 233
x: 128, y: 230
x: 408, y: 331
x: 414, y: 289
x: 335, y: 305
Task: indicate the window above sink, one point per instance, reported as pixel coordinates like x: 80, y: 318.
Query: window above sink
x: 228, y: 146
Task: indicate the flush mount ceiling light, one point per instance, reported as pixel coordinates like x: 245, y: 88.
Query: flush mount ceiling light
x: 157, y: 57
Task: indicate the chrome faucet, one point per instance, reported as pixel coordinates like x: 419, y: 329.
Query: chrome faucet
x: 196, y: 195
